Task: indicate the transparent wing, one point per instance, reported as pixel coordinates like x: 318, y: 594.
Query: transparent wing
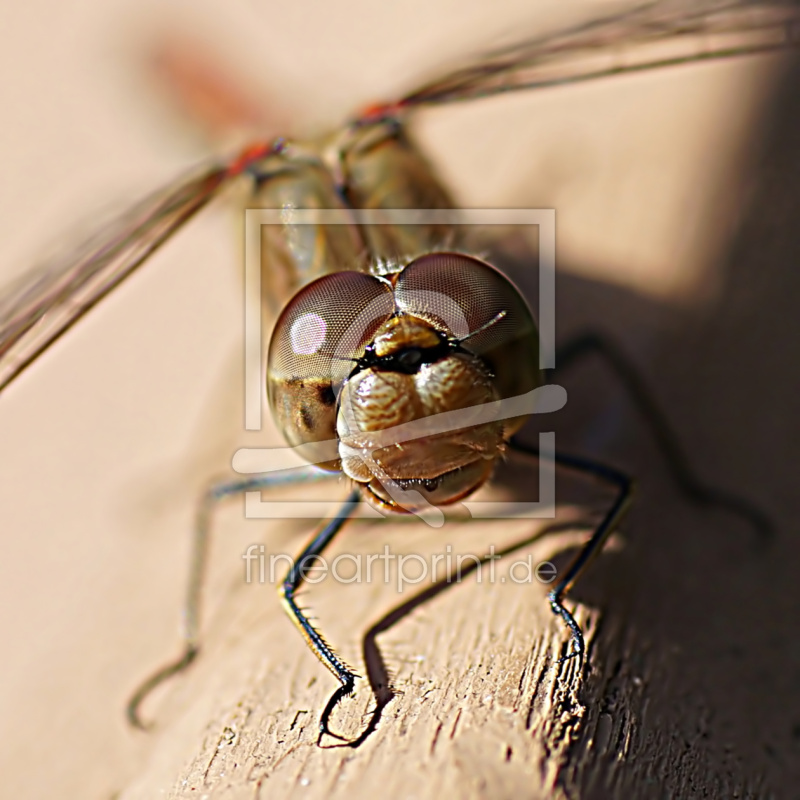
x: 648, y: 36
x: 46, y: 302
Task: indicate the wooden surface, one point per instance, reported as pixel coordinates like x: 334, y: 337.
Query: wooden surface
x: 677, y: 205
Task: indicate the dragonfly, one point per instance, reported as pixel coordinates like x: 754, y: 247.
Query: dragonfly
x: 336, y: 378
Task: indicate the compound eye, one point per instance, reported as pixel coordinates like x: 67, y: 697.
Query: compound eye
x: 477, y: 305
x: 317, y: 338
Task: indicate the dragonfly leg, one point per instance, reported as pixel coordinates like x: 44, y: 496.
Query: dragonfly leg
x: 624, y: 486
x: 197, y: 570
x: 657, y: 421
x: 314, y: 639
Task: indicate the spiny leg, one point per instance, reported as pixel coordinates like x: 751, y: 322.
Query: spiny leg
x: 197, y: 570
x: 666, y: 439
x: 314, y: 639
x: 594, y: 544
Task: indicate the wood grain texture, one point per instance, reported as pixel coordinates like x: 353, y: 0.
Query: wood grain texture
x: 691, y: 625
x: 479, y: 702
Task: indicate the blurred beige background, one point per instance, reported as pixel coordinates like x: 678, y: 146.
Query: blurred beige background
x: 107, y: 439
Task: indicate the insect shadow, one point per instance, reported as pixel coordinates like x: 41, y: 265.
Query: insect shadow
x: 707, y: 612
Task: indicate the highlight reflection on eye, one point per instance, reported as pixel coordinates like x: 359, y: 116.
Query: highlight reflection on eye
x: 307, y: 334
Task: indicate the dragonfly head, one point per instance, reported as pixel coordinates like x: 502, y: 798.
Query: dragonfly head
x: 398, y: 380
